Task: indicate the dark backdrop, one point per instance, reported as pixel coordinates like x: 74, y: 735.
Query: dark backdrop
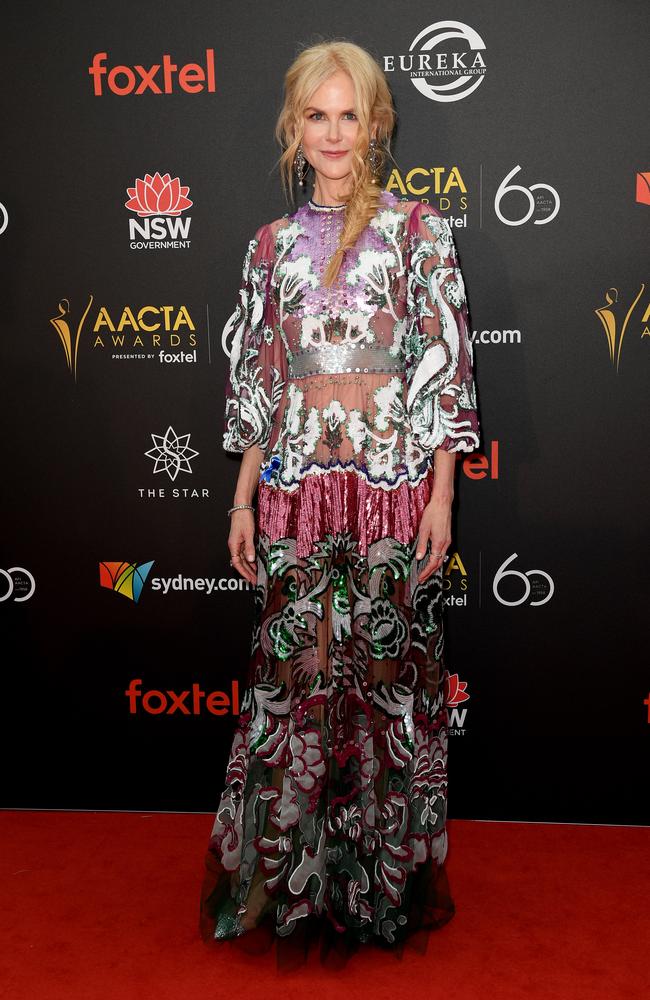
x: 548, y: 584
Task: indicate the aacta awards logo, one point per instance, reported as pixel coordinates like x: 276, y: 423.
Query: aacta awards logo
x: 166, y: 333
x: 455, y: 582
x: 158, y: 200
x: 124, y: 578
x: 442, y: 187
x: 445, y: 61
x: 615, y: 316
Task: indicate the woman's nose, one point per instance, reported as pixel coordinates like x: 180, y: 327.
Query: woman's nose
x: 333, y: 131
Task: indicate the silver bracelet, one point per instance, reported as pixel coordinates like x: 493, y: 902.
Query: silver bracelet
x: 240, y: 506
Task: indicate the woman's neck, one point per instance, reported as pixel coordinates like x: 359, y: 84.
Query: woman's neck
x: 328, y: 193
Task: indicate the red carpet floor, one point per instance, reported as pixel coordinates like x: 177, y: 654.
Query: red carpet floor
x: 99, y: 906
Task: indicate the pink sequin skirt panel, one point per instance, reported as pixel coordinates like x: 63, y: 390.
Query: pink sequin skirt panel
x: 341, y: 500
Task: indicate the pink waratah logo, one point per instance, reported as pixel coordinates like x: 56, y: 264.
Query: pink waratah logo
x: 158, y: 195
x: 455, y: 690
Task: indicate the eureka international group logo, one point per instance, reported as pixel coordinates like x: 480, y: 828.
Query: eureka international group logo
x: 124, y: 578
x: 159, y: 200
x: 445, y: 61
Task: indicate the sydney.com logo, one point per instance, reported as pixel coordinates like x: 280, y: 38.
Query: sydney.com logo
x: 128, y: 579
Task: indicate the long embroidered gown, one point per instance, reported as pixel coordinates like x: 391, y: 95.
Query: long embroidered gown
x: 335, y: 798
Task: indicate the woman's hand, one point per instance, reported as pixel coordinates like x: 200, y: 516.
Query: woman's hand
x: 435, y: 527
x: 241, y: 544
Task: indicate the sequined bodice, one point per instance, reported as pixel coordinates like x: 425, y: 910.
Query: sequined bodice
x: 343, y: 313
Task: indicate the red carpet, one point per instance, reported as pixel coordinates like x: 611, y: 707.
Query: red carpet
x: 99, y: 906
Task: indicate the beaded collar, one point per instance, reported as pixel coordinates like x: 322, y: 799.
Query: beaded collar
x: 324, y: 208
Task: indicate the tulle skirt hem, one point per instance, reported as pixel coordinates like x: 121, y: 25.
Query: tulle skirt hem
x: 429, y: 908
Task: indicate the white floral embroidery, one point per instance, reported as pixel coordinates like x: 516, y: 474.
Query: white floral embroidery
x: 300, y: 436
x: 357, y: 430
x: 294, y: 274
x: 360, y: 322
x: 284, y: 241
x: 313, y: 431
x: 390, y: 406
x: 382, y: 453
x: 250, y: 410
x: 372, y: 267
x: 379, y: 451
x: 334, y: 414
x: 390, y: 225
x: 399, y: 330
x: 312, y: 331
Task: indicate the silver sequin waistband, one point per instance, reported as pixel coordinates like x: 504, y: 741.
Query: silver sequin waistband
x: 328, y: 359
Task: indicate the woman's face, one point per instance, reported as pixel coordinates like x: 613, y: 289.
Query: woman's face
x: 330, y: 127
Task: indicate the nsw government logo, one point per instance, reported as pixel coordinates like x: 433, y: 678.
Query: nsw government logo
x: 455, y: 695
x: 158, y: 200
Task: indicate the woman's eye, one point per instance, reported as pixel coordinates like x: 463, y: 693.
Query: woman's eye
x: 318, y: 114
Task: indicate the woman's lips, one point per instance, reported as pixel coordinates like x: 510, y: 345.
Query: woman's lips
x: 335, y: 156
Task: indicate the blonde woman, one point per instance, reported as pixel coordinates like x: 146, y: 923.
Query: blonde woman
x: 349, y: 395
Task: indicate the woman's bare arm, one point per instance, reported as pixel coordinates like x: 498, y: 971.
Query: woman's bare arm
x: 241, y: 540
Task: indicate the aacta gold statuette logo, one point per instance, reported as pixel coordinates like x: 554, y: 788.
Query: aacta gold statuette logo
x: 61, y: 324
x: 615, y: 317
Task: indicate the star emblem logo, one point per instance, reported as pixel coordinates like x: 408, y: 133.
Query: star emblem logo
x: 171, y: 453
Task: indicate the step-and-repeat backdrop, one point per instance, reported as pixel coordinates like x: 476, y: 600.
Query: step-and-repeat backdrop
x: 138, y: 161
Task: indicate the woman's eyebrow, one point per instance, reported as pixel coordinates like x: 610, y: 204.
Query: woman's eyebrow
x: 312, y: 108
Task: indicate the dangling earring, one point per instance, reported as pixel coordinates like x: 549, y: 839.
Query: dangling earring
x: 299, y: 162
x: 374, y: 159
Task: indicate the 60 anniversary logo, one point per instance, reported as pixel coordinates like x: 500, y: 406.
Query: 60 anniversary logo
x: 20, y: 584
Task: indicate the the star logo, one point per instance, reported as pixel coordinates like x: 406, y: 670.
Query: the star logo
x: 172, y: 453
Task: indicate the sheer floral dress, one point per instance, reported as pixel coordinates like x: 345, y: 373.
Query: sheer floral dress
x: 335, y: 799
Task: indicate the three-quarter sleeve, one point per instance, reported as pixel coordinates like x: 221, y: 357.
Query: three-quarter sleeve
x: 441, y: 392
x: 258, y: 366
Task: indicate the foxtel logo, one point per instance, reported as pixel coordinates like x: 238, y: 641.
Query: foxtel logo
x: 482, y: 465
x: 156, y: 702
x: 122, y: 80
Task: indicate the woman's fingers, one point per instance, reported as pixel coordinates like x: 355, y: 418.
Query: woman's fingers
x: 248, y: 545
x: 242, y: 553
x: 436, y: 556
x: 434, y: 533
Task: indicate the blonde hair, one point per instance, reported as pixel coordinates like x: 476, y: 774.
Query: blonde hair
x: 373, y: 102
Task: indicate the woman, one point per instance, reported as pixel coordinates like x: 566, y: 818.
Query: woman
x: 350, y: 392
